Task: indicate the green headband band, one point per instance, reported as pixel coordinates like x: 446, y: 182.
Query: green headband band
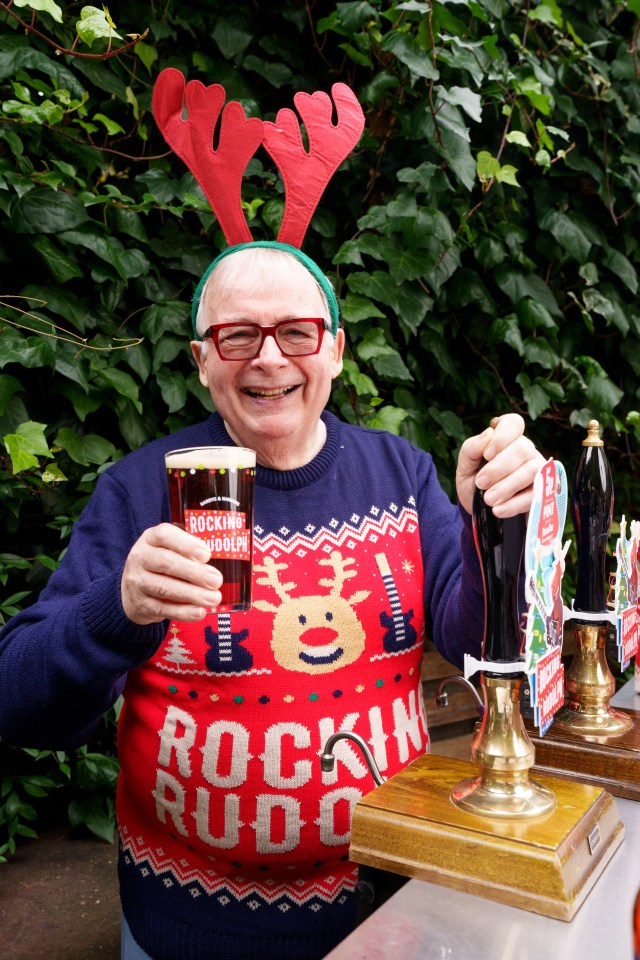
x: 301, y: 257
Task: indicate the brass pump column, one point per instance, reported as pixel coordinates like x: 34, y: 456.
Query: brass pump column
x: 501, y: 746
x: 589, y: 683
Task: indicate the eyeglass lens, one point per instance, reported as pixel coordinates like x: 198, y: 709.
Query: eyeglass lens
x: 295, y: 338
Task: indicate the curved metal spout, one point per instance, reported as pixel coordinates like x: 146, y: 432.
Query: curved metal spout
x: 441, y: 695
x: 327, y: 759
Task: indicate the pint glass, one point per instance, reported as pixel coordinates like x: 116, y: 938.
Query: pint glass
x: 211, y: 496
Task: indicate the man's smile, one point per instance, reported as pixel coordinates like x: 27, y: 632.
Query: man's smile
x: 269, y: 394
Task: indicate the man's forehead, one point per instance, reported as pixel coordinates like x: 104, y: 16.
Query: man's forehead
x: 289, y: 291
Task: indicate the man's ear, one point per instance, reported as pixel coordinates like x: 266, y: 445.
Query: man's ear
x: 199, y: 352
x: 337, y: 350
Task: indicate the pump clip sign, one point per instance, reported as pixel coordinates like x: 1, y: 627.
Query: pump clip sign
x: 544, y: 569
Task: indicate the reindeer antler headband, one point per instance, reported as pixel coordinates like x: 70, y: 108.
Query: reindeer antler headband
x: 219, y: 171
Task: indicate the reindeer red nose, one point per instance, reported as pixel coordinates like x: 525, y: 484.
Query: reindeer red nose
x: 318, y: 636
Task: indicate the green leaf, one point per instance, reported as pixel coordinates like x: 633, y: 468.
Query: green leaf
x: 568, y: 233
x: 405, y: 48
x: 8, y: 386
x: 388, y: 418
x: 46, y: 211
x: 133, y: 426
x: 61, y: 267
x: 469, y: 100
x: 93, y: 237
x: 122, y: 382
x: 621, y: 267
x: 466, y: 287
x: 547, y: 12
x: 18, y: 449
x: 422, y: 175
x: 33, y: 435
x: 85, y: 450
x: 355, y: 308
x: 52, y: 474
x: 95, y: 24
x: 456, y: 150
x: 171, y: 317
x: 362, y: 384
x: 532, y: 89
x: 173, y: 388
x: 535, y: 396
x: 90, y: 812
x: 517, y: 285
x: 507, y: 174
x: 507, y: 330
x: 147, y: 53
x: 231, y: 38
x: 596, y: 302
x: 60, y: 301
x: 487, y: 166
x: 132, y: 263
x: 111, y: 126
x: 538, y: 350
x: 349, y: 252
x: 46, y: 6
x: 277, y: 74
x: 603, y: 395
x: 29, y: 352
x: 354, y: 15
x: 385, y: 359
x: 517, y: 136
x: 534, y: 314
x: 165, y: 352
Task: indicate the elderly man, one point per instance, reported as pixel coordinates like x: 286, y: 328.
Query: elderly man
x: 234, y: 842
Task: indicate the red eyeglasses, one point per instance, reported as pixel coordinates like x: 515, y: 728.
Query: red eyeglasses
x: 243, y: 341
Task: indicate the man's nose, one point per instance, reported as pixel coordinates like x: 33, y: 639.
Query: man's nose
x: 270, y: 352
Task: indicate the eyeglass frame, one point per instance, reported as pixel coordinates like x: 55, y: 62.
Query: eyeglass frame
x: 266, y: 331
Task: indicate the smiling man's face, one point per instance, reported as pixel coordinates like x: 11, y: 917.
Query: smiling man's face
x: 272, y: 403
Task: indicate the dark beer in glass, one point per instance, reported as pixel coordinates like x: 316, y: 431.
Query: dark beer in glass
x: 211, y: 496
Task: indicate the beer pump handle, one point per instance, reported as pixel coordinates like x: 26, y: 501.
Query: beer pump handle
x: 592, y: 512
x: 500, y: 545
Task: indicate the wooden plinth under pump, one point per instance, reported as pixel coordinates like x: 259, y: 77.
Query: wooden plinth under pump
x: 410, y: 826
x: 588, y: 740
x: 611, y: 762
x: 538, y: 844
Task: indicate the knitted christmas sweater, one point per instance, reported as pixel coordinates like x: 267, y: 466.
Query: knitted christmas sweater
x: 234, y: 842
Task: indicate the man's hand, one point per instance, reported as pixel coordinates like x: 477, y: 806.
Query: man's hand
x: 167, y: 577
x: 502, y: 462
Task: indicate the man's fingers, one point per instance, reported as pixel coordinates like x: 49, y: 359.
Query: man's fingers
x: 167, y: 576
x: 519, y: 461
x: 502, y: 462
x: 178, y: 540
x: 521, y: 503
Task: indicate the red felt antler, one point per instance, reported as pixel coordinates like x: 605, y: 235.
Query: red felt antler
x: 219, y: 172
x: 305, y: 174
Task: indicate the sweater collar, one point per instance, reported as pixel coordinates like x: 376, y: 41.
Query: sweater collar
x: 288, y: 479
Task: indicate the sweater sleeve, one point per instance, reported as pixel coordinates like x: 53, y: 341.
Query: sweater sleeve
x: 453, y: 590
x: 64, y: 660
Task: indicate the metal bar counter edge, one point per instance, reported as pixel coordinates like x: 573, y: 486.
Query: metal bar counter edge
x: 423, y: 921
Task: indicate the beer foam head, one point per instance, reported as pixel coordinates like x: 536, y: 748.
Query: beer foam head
x: 210, y: 458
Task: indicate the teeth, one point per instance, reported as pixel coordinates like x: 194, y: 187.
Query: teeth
x: 270, y: 393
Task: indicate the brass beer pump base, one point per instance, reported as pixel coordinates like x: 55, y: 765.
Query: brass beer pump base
x: 547, y: 865
x: 508, y: 801
x: 505, y: 754
x: 595, y: 726
x: 589, y: 685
